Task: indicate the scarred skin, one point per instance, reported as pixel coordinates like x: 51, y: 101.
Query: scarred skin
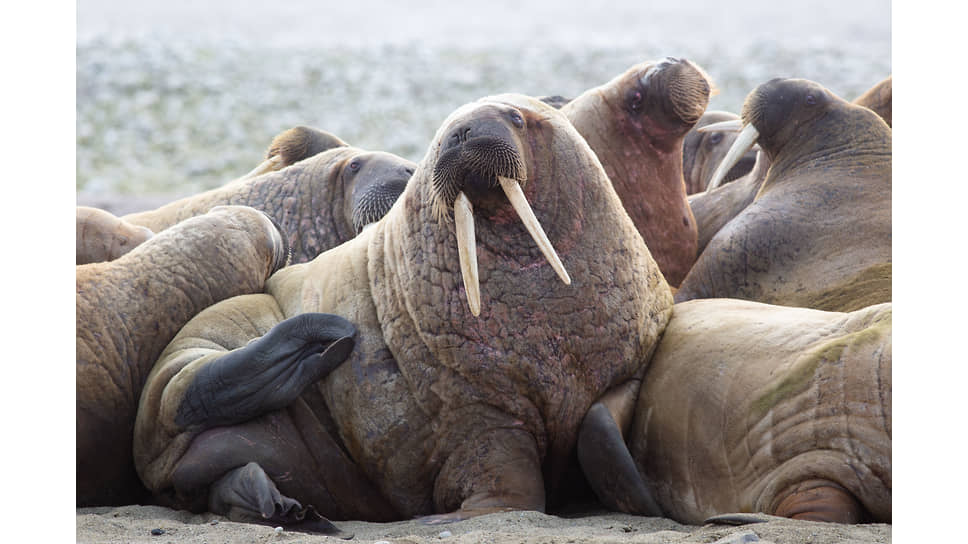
x: 703, y: 151
x: 439, y: 411
x: 318, y: 203
x: 749, y: 407
x: 879, y: 99
x: 637, y: 131
x: 102, y: 236
x: 818, y: 233
x: 129, y: 309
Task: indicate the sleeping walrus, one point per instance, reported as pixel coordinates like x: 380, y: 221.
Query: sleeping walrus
x: 749, y: 407
x: 635, y: 124
x: 318, y: 203
x: 818, y: 232
x: 102, y: 236
x: 503, y: 294
x: 128, y: 309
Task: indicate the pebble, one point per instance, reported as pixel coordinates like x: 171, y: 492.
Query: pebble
x: 157, y: 532
x: 279, y: 530
x: 739, y: 538
x: 445, y: 534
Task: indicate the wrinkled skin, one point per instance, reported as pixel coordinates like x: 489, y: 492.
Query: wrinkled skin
x: 713, y: 209
x: 879, y: 99
x: 129, y: 309
x: 750, y: 407
x: 636, y: 124
x: 818, y: 233
x: 318, y: 203
x: 102, y: 236
x: 703, y: 151
x: 435, y: 411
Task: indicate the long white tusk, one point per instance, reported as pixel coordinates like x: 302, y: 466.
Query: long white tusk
x: 744, y: 142
x: 267, y: 165
x: 733, y: 125
x: 520, y: 205
x: 467, y: 251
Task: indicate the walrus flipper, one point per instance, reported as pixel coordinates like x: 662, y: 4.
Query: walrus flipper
x: 266, y: 374
x: 607, y: 463
x: 247, y: 494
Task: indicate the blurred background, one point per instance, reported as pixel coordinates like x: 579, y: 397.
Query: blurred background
x: 179, y: 96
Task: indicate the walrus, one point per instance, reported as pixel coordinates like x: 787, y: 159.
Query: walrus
x: 879, y: 99
x: 293, y: 145
x: 503, y: 293
x: 636, y: 123
x: 818, y: 232
x: 703, y: 151
x: 713, y: 208
x: 318, y: 202
x: 749, y: 407
x: 128, y: 309
x: 102, y: 236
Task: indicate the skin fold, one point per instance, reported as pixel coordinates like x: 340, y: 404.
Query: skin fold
x: 436, y: 412
x: 128, y: 309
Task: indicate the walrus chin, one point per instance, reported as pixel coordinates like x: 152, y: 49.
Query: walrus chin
x: 484, y: 163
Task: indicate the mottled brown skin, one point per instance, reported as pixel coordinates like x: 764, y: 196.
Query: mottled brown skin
x: 879, y: 99
x: 750, y: 407
x: 102, y: 236
x: 636, y: 129
x: 439, y: 411
x: 713, y: 209
x: 703, y: 151
x: 818, y: 233
x: 318, y: 203
x: 129, y: 309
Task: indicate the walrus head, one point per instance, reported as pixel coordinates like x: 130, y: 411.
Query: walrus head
x: 301, y: 142
x: 703, y: 151
x: 775, y: 113
x: 477, y: 156
x: 373, y: 181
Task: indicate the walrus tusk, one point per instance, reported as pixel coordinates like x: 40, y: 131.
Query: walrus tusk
x: 267, y: 165
x: 467, y: 251
x: 520, y: 205
x: 732, y: 125
x: 744, y: 142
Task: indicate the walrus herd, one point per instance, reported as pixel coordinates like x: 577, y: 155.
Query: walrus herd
x: 620, y: 297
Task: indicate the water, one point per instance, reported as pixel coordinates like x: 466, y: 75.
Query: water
x: 176, y: 97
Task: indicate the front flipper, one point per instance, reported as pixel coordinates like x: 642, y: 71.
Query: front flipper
x: 247, y: 494
x: 268, y: 373
x: 608, y: 465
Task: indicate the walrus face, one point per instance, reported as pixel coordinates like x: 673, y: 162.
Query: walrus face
x: 373, y: 181
x: 478, y: 154
x: 702, y: 151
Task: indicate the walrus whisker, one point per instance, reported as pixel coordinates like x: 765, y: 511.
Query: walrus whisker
x: 520, y: 204
x: 467, y: 251
x: 744, y: 142
x: 731, y: 125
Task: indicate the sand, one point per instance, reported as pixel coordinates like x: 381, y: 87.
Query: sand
x: 134, y: 524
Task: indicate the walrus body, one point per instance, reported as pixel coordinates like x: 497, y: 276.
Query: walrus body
x: 102, y: 236
x: 128, y: 309
x: 879, y: 99
x: 444, y: 406
x: 749, y: 407
x: 818, y: 233
x: 703, y: 151
x: 318, y: 203
x: 635, y: 124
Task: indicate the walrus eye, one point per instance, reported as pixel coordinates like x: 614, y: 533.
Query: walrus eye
x: 716, y: 138
x: 516, y: 119
x: 355, y: 166
x: 811, y: 100
x: 635, y: 101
